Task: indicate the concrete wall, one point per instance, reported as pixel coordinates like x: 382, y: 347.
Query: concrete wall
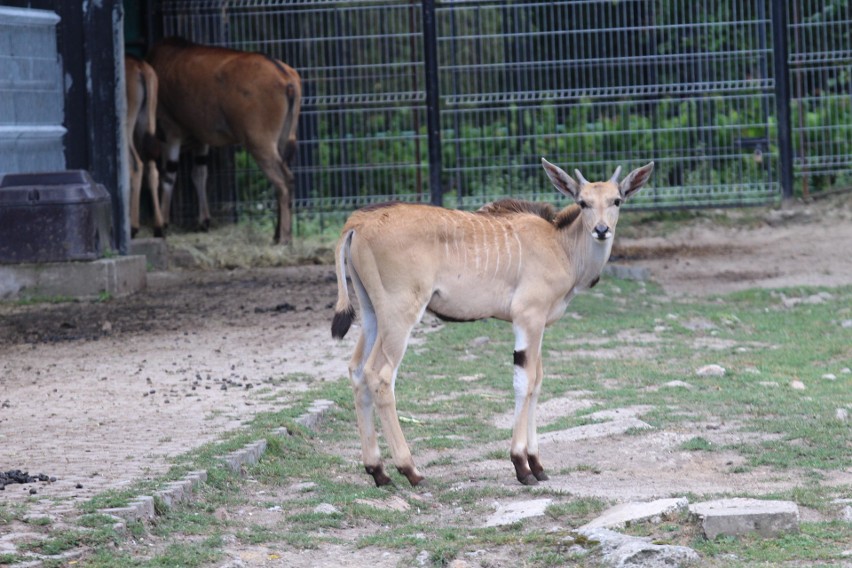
x: 31, y: 92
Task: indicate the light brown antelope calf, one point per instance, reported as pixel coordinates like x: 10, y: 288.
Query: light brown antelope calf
x: 213, y: 96
x: 141, y: 85
x: 511, y: 260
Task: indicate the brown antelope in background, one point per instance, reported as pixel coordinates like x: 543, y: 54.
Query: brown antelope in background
x: 141, y: 84
x: 512, y: 260
x: 213, y: 96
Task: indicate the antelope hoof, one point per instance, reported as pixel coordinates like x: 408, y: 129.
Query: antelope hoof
x: 528, y: 480
x: 204, y: 226
x: 160, y: 232
x: 537, y: 469
x: 414, y: 478
x: 379, y: 476
x: 133, y: 232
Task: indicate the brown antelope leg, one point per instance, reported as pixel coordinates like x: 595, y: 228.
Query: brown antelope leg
x: 532, y: 433
x: 370, y: 454
x: 282, y: 178
x: 199, y: 180
x: 526, y: 362
x: 153, y: 185
x: 135, y: 190
x: 380, y: 373
x: 171, y: 157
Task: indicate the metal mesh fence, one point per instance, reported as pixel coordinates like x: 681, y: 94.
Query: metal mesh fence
x: 590, y: 84
x: 821, y: 88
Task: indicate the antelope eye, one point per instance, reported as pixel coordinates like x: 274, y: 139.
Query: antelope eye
x: 617, y: 203
x: 583, y: 204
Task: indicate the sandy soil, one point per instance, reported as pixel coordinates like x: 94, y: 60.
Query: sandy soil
x: 101, y: 394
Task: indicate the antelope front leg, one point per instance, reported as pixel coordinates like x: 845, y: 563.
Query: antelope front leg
x: 527, y: 361
x: 532, y: 435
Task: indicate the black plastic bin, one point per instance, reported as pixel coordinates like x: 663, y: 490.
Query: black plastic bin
x: 54, y: 217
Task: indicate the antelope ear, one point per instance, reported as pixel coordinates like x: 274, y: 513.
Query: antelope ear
x: 635, y: 180
x: 564, y: 183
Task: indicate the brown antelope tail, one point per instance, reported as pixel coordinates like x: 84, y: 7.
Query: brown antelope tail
x: 344, y: 312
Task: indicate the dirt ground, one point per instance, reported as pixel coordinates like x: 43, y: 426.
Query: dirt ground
x: 99, y: 394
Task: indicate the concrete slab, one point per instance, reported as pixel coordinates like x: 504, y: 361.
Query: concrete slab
x: 622, y: 515
x: 514, y: 512
x: 119, y: 276
x: 734, y: 517
x: 155, y: 251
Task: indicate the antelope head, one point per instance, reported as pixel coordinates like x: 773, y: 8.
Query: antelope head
x: 600, y: 202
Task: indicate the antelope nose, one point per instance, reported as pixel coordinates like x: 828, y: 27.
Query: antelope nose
x: 601, y: 231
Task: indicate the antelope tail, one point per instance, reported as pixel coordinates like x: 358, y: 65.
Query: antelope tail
x: 344, y: 312
x: 150, y: 145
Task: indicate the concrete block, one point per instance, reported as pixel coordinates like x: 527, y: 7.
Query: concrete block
x: 316, y: 414
x: 514, y: 512
x: 624, y: 514
x: 155, y: 251
x: 734, y: 517
x: 119, y: 276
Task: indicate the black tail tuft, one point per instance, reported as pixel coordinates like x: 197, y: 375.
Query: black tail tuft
x: 342, y: 321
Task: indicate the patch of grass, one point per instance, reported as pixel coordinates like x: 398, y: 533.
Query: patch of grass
x: 577, y: 511
x: 697, y: 444
x: 815, y: 542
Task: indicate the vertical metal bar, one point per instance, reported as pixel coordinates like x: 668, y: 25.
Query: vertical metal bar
x: 433, y: 116
x: 782, y: 97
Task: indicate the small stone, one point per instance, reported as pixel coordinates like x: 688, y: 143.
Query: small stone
x: 797, y: 385
x: 678, y: 384
x: 479, y: 341
x: 830, y: 376
x: 326, y: 509
x: 846, y: 370
x: 711, y: 371
x: 846, y: 324
x: 841, y: 414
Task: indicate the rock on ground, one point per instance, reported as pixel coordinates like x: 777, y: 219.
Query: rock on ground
x: 734, y: 517
x: 622, y: 551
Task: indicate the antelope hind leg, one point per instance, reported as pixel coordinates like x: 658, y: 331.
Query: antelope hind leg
x: 370, y: 455
x: 380, y: 374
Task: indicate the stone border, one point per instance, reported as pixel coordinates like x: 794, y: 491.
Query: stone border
x: 143, y: 507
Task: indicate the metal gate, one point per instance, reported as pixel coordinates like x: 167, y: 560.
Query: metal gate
x: 590, y: 84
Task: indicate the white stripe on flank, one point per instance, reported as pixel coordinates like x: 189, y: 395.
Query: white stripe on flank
x: 520, y: 253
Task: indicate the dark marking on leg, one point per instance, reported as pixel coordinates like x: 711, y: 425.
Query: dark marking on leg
x: 520, y: 358
x: 413, y: 478
x: 160, y: 232
x: 379, y: 476
x: 536, y: 468
x: 171, y: 166
x: 522, y: 470
x: 594, y: 282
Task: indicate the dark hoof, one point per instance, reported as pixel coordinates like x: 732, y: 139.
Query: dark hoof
x: 541, y: 476
x: 133, y: 232
x: 160, y: 232
x: 379, y: 476
x: 204, y: 226
x: 529, y: 480
x: 413, y: 478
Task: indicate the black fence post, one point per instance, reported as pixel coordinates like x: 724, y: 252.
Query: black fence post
x: 433, y: 115
x: 780, y: 53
